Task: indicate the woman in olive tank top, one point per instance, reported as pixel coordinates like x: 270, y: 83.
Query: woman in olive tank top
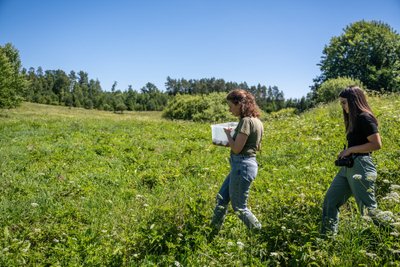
x: 244, y: 144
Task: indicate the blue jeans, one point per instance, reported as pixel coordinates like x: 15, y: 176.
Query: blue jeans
x: 358, y: 181
x: 236, y: 190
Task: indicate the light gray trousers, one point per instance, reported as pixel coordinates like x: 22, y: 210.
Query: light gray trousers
x: 359, y: 181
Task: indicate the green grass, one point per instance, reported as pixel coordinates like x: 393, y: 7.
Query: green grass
x: 83, y: 187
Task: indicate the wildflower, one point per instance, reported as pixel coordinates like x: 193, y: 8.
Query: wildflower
x: 274, y: 254
x: 240, y: 245
x: 385, y: 216
x: 177, y: 264
x: 386, y: 181
x: 396, y: 225
x: 357, y: 176
x: 392, y: 196
x: 395, y: 251
x: 230, y: 244
x: 34, y: 204
x: 104, y: 231
x: 371, y: 255
x: 371, y: 177
x: 396, y: 234
x: 395, y: 187
x: 55, y: 240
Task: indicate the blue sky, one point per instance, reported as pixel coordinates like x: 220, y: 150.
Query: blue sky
x: 269, y: 42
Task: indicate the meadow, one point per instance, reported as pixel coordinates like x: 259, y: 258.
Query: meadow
x: 93, y: 188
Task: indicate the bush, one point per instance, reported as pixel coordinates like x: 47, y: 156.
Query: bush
x: 331, y: 88
x: 283, y: 113
x: 211, y: 108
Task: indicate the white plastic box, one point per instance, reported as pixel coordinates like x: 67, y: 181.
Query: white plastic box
x: 218, y: 133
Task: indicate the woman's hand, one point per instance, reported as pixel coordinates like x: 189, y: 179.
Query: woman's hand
x: 345, y: 153
x: 374, y: 143
x: 228, y: 130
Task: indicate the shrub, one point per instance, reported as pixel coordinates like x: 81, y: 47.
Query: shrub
x: 331, y: 88
x: 283, y: 113
x: 211, y: 108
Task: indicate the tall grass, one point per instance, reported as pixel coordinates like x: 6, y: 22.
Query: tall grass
x: 83, y: 187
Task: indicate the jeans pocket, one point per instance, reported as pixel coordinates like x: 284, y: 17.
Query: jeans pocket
x: 366, y: 164
x: 249, y: 171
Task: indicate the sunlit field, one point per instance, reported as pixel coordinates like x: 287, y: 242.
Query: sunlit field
x: 95, y: 188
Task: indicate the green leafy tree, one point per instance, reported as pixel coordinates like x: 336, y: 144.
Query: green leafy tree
x: 118, y: 102
x: 331, y: 88
x: 368, y: 51
x: 12, y: 82
x: 211, y: 107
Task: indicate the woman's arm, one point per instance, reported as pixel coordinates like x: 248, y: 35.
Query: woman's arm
x: 237, y: 144
x: 374, y: 143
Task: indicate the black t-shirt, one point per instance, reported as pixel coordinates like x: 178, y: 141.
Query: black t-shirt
x: 364, y: 127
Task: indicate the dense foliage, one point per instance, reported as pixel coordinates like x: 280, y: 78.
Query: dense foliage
x: 55, y: 87
x: 268, y: 98
x: 12, y: 83
x: 191, y: 103
x: 77, y: 90
x: 91, y: 188
x: 368, y: 51
x: 331, y: 88
x: 211, y: 107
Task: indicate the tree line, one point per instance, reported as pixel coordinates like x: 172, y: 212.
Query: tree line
x: 367, y: 52
x: 268, y: 98
x: 55, y: 87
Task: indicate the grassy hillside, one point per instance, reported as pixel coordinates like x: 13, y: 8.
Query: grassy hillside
x: 81, y: 187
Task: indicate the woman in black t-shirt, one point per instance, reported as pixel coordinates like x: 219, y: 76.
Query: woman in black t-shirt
x: 357, y: 174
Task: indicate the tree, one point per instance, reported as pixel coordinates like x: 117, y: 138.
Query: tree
x: 368, y: 51
x: 149, y: 88
x: 114, y: 86
x: 12, y: 82
x: 331, y: 88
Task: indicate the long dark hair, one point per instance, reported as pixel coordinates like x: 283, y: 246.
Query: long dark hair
x: 249, y: 106
x: 357, y: 104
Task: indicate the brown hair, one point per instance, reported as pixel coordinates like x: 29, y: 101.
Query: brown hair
x: 357, y: 104
x: 249, y: 107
